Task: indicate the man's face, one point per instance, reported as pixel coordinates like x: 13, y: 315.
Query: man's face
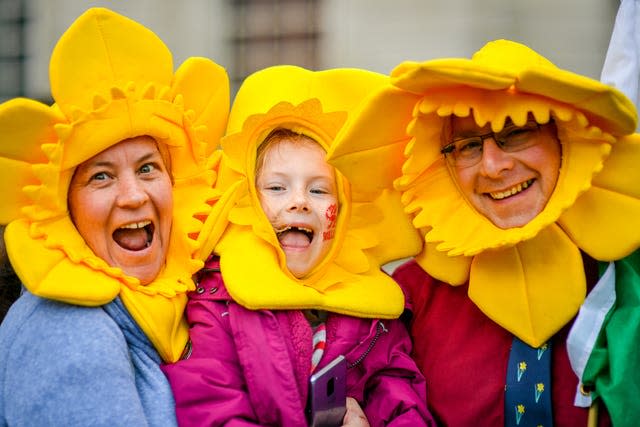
x: 509, y: 188
x: 298, y: 193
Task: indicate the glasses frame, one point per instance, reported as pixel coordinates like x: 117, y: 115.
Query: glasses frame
x: 448, y: 150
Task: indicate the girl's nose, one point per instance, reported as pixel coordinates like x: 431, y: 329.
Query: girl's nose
x: 299, y: 202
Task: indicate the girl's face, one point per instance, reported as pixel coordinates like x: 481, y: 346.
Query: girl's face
x: 121, y: 202
x: 297, y: 191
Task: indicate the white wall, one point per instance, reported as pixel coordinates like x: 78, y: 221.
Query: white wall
x: 379, y: 34
x: 372, y: 34
x: 189, y: 28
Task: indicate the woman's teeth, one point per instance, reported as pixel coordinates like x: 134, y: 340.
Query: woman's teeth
x: 135, y: 225
x: 499, y: 195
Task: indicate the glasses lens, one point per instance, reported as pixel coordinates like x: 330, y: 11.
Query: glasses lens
x: 515, y: 138
x: 464, y: 152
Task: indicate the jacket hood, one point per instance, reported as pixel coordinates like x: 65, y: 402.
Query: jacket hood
x: 371, y: 226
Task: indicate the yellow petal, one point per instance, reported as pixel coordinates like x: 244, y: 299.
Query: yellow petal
x: 605, y: 221
x: 526, y: 290
x: 121, y: 50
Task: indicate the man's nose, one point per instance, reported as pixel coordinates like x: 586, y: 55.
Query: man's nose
x: 494, y: 160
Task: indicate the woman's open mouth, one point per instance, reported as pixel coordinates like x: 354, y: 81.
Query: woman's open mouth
x: 135, y: 236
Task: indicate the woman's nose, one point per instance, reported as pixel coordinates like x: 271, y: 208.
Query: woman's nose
x: 494, y: 160
x: 131, y: 194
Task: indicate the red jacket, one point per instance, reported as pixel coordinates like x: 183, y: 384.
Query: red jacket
x: 463, y: 355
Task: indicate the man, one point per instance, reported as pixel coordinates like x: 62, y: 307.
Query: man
x: 521, y: 177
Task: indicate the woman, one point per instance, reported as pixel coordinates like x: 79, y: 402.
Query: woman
x: 102, y: 194
x: 9, y: 282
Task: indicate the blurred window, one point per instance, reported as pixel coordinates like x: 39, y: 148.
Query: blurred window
x: 12, y: 48
x: 272, y: 32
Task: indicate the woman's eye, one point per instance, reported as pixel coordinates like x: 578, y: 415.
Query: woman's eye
x: 147, y: 168
x: 100, y: 176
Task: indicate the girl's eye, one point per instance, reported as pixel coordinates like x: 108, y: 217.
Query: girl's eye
x: 275, y: 188
x: 319, y: 191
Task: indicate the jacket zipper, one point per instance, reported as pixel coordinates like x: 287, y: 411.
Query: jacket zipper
x: 380, y: 328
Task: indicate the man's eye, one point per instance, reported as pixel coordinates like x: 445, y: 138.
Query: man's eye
x: 469, y: 146
x: 518, y: 132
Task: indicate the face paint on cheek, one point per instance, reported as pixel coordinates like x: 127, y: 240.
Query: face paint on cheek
x: 332, y: 215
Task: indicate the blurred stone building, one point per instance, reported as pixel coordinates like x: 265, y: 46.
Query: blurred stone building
x: 246, y: 35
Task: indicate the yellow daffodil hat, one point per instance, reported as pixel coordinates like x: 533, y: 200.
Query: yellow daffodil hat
x: 372, y: 227
x: 111, y: 79
x: 528, y: 279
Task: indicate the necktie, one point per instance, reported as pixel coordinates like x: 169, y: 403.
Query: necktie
x: 528, y: 387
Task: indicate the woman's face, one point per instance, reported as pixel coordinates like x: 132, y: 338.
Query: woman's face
x: 121, y: 202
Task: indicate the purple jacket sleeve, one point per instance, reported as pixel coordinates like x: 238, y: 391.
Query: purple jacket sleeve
x: 208, y: 384
x: 396, y: 391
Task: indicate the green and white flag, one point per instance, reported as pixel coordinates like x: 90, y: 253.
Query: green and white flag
x: 604, y: 342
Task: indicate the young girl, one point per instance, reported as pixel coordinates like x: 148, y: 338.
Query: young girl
x: 298, y: 281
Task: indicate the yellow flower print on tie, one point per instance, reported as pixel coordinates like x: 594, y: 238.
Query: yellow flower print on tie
x: 519, y: 413
x: 522, y: 366
x: 539, y: 390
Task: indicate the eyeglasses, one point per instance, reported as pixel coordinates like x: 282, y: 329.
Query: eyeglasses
x: 465, y: 152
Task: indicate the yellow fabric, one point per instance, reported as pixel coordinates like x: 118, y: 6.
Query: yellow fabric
x: 111, y: 79
x: 371, y: 229
x: 528, y: 279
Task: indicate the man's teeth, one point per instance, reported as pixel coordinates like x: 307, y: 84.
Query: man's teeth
x: 499, y: 195
x: 135, y: 225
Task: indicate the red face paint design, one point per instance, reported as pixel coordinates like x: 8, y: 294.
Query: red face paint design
x: 332, y: 215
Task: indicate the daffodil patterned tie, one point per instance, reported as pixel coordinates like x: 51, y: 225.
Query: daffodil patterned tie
x: 527, y: 400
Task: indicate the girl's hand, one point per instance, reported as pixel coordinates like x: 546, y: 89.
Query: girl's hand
x: 355, y: 416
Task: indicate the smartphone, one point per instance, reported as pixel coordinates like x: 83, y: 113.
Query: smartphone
x: 328, y: 394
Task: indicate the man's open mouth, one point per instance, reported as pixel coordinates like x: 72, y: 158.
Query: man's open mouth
x: 499, y: 195
x: 135, y: 236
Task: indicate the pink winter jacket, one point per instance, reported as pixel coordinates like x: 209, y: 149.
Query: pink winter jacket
x: 249, y: 367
